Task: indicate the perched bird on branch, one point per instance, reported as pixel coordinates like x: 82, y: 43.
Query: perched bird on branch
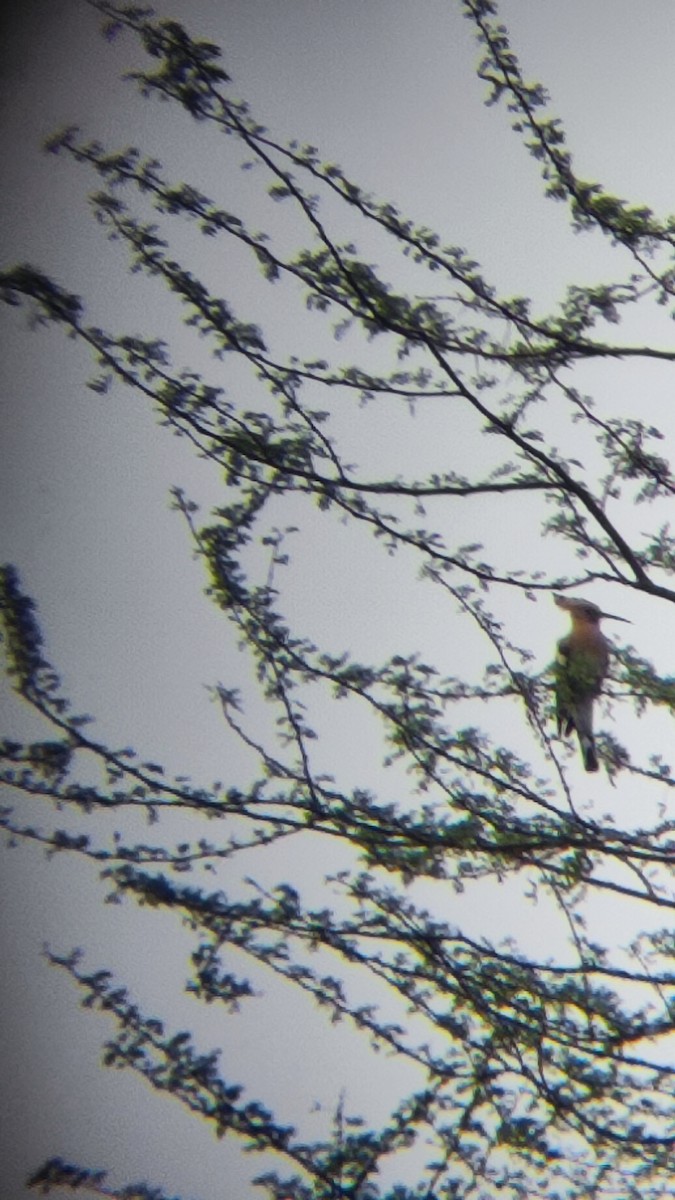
x: 581, y: 666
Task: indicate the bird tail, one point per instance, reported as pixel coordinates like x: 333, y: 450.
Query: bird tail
x: 583, y: 721
x: 588, y: 752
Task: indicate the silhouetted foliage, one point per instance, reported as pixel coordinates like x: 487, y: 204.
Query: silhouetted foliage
x: 537, y: 1077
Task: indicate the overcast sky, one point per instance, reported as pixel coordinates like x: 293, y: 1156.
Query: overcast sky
x: 386, y: 88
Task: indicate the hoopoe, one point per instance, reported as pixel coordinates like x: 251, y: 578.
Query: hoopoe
x: 581, y: 666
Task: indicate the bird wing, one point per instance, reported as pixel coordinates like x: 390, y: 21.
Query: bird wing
x: 564, y: 701
x: 580, y: 669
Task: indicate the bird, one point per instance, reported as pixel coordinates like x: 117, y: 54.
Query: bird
x: 581, y: 666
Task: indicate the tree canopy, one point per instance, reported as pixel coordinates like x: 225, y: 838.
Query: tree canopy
x: 445, y: 429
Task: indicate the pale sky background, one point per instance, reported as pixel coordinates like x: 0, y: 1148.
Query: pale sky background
x: 386, y: 89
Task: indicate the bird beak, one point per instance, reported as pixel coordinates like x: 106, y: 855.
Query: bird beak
x: 611, y: 617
